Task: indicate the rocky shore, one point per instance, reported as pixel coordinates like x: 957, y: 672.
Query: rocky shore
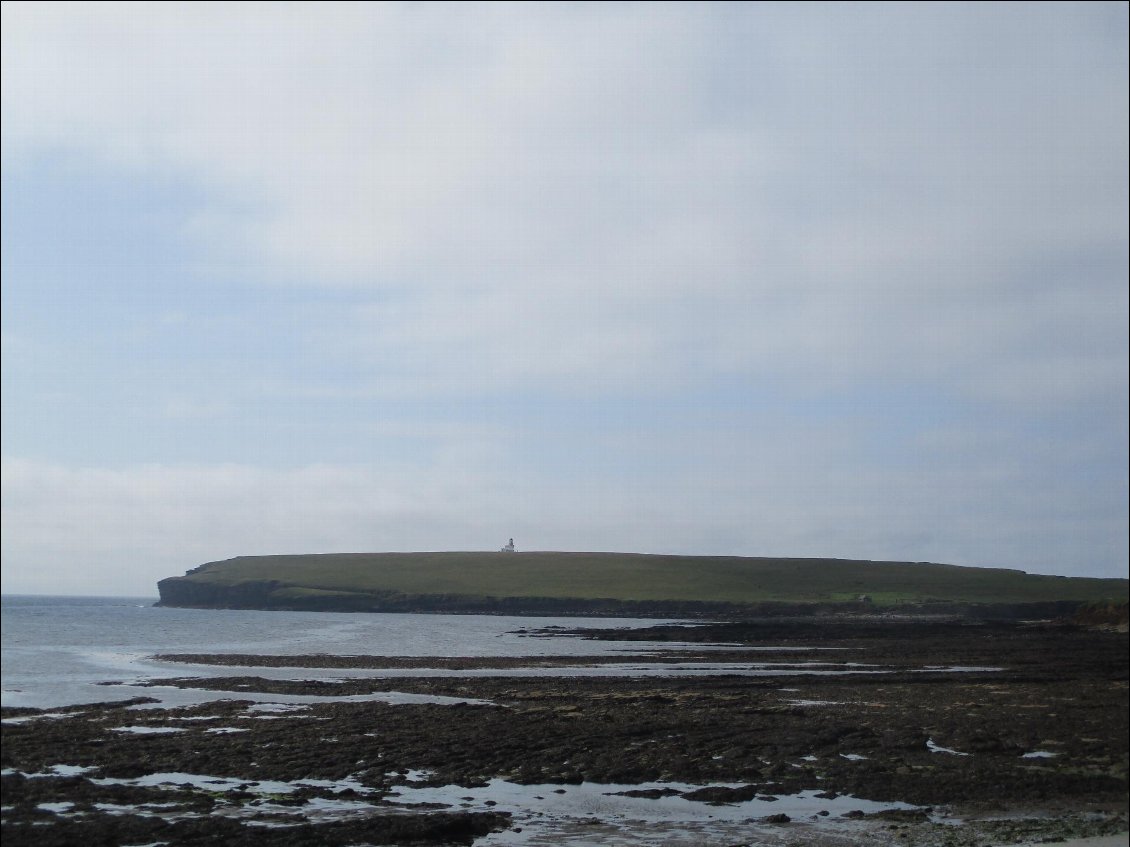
x: 902, y: 733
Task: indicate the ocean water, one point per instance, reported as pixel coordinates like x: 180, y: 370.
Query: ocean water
x: 60, y: 651
x: 57, y: 651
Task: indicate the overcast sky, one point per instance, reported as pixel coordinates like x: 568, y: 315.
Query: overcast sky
x: 784, y: 280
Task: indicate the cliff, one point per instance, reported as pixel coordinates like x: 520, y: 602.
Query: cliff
x: 628, y: 585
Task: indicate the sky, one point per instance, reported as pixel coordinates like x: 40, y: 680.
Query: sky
x: 843, y: 280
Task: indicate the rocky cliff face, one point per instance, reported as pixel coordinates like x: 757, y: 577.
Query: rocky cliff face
x: 274, y: 595
x: 196, y: 594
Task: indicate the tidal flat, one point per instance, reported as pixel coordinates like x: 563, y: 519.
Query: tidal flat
x: 804, y: 732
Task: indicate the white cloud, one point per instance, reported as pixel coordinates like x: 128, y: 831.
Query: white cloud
x: 628, y: 192
x: 104, y: 531
x: 779, y: 488
x: 593, y: 200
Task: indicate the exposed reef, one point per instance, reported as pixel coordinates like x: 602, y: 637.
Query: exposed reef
x: 1026, y: 743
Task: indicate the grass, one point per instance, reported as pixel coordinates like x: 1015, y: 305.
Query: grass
x: 627, y: 576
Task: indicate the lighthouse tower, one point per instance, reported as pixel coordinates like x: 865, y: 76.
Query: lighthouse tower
x: 509, y: 548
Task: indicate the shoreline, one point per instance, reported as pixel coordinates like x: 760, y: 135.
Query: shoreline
x: 908, y: 756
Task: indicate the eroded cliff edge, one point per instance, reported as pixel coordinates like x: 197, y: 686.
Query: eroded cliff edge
x: 273, y: 595
x: 627, y: 584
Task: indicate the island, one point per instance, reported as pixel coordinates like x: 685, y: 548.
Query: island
x: 628, y: 584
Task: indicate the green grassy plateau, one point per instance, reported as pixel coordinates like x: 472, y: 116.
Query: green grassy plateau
x: 301, y: 579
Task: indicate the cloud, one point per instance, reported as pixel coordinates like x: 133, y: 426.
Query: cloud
x: 633, y: 194
x: 882, y: 246
x: 767, y: 488
x: 103, y: 530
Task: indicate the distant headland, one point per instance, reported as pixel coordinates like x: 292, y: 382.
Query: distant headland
x: 628, y: 585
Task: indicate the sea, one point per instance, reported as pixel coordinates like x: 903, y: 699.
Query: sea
x: 60, y: 651
x: 69, y: 651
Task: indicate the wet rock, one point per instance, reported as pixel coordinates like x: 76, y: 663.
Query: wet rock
x: 1060, y: 690
x: 720, y: 795
x: 648, y: 793
x: 903, y: 815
